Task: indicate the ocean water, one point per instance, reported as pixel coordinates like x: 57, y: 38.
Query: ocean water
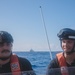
x: 39, y: 60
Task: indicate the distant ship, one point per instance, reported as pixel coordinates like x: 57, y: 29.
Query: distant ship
x: 31, y: 50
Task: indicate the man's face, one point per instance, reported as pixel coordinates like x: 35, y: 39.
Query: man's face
x: 67, y: 45
x: 5, y: 49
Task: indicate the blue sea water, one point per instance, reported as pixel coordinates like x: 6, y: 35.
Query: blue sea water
x: 39, y: 60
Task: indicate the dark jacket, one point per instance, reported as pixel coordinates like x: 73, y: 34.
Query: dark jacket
x: 54, y: 68
x: 25, y: 66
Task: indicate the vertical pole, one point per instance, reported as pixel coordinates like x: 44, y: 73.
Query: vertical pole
x: 46, y: 32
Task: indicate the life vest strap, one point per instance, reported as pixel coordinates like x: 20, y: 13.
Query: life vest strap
x: 62, y: 63
x: 15, y: 67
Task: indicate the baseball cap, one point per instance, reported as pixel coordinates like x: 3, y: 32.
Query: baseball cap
x: 5, y: 37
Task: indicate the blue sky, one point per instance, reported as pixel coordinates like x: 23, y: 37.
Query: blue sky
x: 22, y: 18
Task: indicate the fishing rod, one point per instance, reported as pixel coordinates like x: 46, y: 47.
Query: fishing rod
x: 46, y: 32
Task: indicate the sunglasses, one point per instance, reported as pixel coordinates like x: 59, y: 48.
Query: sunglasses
x: 3, y: 43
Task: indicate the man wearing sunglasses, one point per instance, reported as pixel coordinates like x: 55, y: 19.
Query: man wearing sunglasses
x: 9, y: 62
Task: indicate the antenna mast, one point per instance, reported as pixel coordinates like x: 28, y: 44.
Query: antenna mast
x: 46, y: 32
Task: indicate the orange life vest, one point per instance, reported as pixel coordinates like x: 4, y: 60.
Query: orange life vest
x: 62, y: 64
x: 15, y: 67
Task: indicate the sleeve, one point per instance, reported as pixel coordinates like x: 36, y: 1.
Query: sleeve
x: 53, y: 64
x: 51, y: 67
x: 26, y: 66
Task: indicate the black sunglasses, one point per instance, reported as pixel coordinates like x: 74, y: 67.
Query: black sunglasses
x: 2, y: 44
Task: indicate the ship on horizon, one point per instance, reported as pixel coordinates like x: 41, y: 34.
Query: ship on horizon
x: 31, y: 50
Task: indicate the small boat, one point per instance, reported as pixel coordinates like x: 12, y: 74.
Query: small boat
x: 31, y: 50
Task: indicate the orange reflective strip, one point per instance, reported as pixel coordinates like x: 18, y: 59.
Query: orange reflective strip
x: 15, y: 67
x: 62, y: 63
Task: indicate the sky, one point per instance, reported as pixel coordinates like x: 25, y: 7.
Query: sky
x: 23, y: 20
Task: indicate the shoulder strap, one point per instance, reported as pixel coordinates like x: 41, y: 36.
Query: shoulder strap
x: 62, y: 63
x: 15, y: 67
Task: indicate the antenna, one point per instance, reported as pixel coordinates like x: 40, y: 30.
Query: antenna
x: 46, y: 32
